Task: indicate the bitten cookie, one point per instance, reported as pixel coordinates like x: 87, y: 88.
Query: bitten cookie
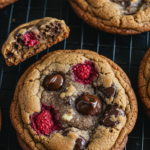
x: 74, y: 100
x: 4, y: 3
x: 33, y: 37
x: 143, y: 82
x: 114, y: 16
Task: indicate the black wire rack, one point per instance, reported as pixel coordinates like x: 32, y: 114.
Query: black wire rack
x: 126, y: 51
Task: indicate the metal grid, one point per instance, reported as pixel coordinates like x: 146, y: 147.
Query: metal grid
x: 126, y: 51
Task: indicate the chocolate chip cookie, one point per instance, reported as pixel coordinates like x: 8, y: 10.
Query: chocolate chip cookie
x: 73, y: 100
x: 114, y: 16
x: 4, y: 3
x: 33, y: 37
x: 143, y: 82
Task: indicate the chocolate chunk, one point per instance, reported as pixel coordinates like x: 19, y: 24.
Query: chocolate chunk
x: 112, y: 110
x: 108, y: 92
x: 67, y: 100
x: 88, y: 105
x: 80, y: 144
x: 9, y: 54
x: 127, y: 3
x: 53, y: 82
x: 65, y: 133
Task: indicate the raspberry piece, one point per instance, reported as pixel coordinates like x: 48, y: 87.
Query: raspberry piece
x: 85, y: 73
x: 30, y: 39
x: 45, y: 122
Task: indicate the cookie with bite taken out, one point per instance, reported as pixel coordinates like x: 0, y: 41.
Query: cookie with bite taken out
x: 33, y: 37
x: 73, y: 100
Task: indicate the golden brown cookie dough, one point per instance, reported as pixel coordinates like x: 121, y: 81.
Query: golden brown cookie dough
x: 114, y: 16
x: 4, y: 3
x: 23, y: 145
x: 29, y: 95
x: 143, y: 82
x: 33, y: 37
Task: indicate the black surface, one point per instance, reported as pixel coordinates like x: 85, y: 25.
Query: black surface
x: 126, y: 51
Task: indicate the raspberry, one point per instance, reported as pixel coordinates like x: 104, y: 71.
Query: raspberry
x: 30, y: 39
x: 47, y: 121
x: 85, y: 73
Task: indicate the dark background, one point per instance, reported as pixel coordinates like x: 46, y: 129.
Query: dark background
x: 126, y: 51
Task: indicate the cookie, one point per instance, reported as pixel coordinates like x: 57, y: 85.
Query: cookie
x: 74, y: 99
x: 143, y: 82
x: 4, y: 3
x: 114, y: 16
x: 23, y: 145
x: 33, y: 37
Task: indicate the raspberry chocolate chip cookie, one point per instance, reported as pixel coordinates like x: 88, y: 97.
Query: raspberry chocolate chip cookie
x: 114, y: 16
x: 33, y: 37
x: 144, y: 82
x: 73, y: 100
x: 4, y: 3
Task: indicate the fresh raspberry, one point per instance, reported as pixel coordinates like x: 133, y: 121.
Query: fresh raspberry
x: 47, y: 121
x: 44, y: 122
x: 30, y: 39
x: 85, y: 73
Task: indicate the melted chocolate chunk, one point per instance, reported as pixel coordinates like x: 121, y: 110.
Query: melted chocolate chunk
x: 112, y: 110
x: 88, y: 105
x: 108, y: 92
x: 67, y: 100
x: 53, y: 82
x: 80, y: 144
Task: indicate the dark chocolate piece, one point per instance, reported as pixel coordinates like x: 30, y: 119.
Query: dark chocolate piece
x: 112, y: 110
x: 67, y: 100
x: 88, y: 105
x: 66, y: 132
x: 108, y: 92
x: 80, y: 144
x: 53, y: 82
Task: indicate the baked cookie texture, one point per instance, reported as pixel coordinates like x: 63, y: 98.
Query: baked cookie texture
x: 143, y: 82
x: 45, y: 118
x: 114, y: 16
x: 4, y: 3
x: 33, y: 37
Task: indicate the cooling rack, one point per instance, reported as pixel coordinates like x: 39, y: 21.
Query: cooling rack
x: 126, y: 51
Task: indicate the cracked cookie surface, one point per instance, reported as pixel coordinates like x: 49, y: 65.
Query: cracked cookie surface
x: 33, y: 37
x: 144, y: 82
x: 108, y: 97
x: 114, y: 16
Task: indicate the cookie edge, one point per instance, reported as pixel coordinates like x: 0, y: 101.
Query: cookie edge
x: 141, y: 84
